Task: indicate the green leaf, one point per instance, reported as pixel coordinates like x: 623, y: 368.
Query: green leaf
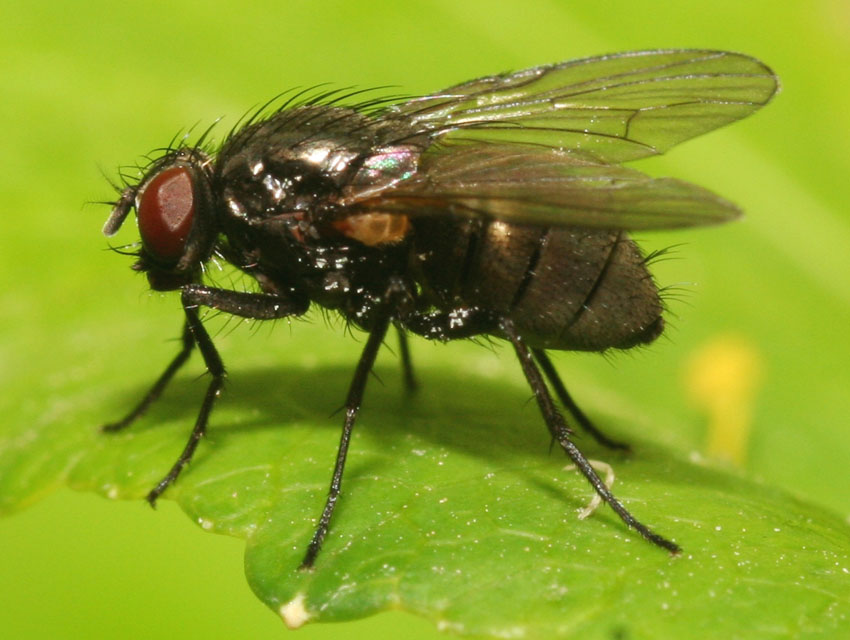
x: 452, y: 509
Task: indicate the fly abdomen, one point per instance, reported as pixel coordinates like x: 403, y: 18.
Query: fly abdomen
x: 473, y: 262
x: 590, y: 291
x: 568, y: 289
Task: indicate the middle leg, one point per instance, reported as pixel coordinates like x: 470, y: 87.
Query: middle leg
x: 352, y: 407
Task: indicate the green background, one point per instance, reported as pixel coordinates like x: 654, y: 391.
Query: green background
x: 93, y: 86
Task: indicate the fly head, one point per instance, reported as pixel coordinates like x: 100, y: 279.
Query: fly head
x: 175, y: 215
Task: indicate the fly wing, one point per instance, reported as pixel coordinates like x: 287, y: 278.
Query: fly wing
x: 537, y: 186
x: 610, y: 109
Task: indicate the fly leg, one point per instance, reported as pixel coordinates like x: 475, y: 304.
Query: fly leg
x: 561, y: 433
x: 215, y: 367
x: 247, y: 305
x: 352, y: 407
x: 156, y: 390
x: 554, y: 379
x: 410, y: 383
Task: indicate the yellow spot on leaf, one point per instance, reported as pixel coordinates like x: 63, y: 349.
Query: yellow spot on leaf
x: 723, y: 378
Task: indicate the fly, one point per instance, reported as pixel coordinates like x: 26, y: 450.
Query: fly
x: 498, y: 207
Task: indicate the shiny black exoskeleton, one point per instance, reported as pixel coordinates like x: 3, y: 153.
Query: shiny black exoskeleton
x: 496, y: 207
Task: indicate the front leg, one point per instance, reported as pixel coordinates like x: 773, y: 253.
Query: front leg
x: 158, y: 387
x: 247, y: 305
x: 260, y: 306
x: 215, y: 367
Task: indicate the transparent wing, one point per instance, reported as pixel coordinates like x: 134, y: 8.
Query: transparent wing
x: 611, y: 108
x: 536, y: 186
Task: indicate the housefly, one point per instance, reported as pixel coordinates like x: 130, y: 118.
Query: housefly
x: 498, y: 207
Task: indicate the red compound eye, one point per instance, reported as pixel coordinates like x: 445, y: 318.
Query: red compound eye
x: 165, y: 213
